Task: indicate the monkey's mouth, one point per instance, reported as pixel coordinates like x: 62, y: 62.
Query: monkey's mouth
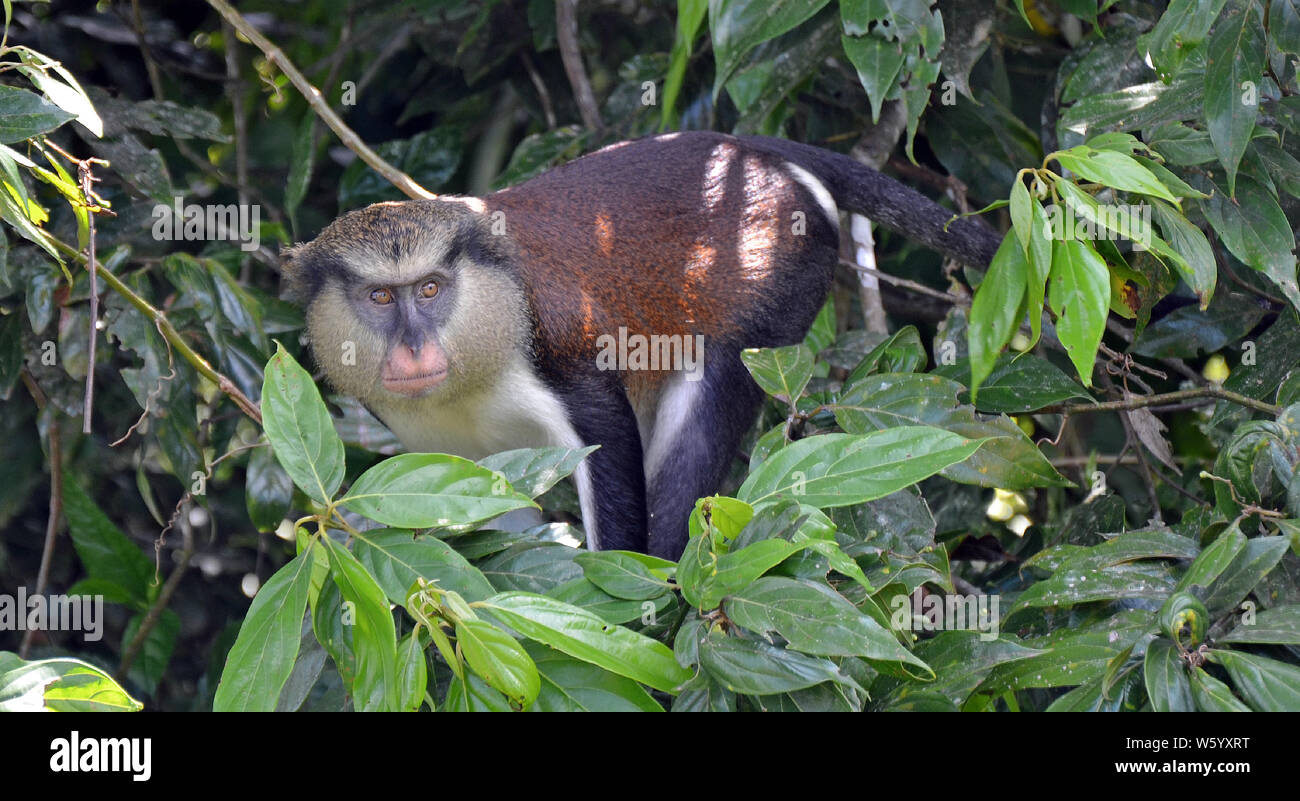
x: 415, y: 385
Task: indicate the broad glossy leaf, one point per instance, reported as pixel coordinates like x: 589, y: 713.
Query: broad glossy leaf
x: 571, y: 685
x: 842, y: 469
x: 1267, y: 685
x: 396, y: 558
x: 584, y: 635
x: 425, y: 490
x: 24, y: 114
x: 754, y: 667
x: 781, y: 372
x: 1237, y: 45
x: 533, y: 471
x: 1279, y: 625
x: 412, y: 673
x: 105, y: 551
x: 1247, y: 570
x: 499, y: 659
x: 1009, y: 460
x: 1212, y: 695
x: 738, y: 26
x: 300, y: 428
x: 1168, y: 687
x: 538, y: 567
x: 1255, y: 229
x: 995, y: 311
x: 1214, y: 559
x: 60, y: 684
x: 624, y: 574
x: 374, y: 637
x: 1080, y: 297
x: 262, y: 657
x: 813, y: 619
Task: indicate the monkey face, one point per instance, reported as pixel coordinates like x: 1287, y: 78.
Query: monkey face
x: 409, y: 302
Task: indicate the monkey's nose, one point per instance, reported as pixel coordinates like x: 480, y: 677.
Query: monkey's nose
x: 414, y: 371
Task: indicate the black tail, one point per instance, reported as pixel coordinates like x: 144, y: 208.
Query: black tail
x: 858, y: 188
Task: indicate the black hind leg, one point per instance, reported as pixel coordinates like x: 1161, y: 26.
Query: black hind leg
x: 697, y: 429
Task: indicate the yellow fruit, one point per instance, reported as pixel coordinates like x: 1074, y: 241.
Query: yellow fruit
x: 1216, y: 369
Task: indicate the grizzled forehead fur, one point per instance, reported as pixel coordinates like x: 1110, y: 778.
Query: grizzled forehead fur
x: 394, y: 242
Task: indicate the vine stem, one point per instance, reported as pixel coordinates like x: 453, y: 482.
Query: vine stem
x: 169, y: 332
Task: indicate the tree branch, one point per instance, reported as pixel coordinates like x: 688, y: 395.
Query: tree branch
x: 318, y: 103
x: 1142, y: 401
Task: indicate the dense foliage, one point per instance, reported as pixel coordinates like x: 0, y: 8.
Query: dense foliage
x: 1069, y: 481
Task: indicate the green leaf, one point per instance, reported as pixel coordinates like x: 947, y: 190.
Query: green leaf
x: 1266, y: 684
x: 539, y: 567
x: 738, y: 26
x: 374, y: 638
x: 396, y: 558
x: 1080, y: 297
x: 754, y: 667
x: 690, y: 13
x: 412, y: 673
x: 995, y: 311
x: 1237, y: 45
x: 156, y: 651
x: 424, y: 490
x: 626, y: 575
x: 1255, y: 229
x: 1212, y: 695
x: 1008, y: 460
x: 1022, y: 382
x: 300, y: 428
x: 24, y: 114
x: 814, y: 619
x: 1247, y: 570
x: 533, y: 471
x: 104, y: 550
x: 571, y: 685
x: 1197, y: 266
x: 1114, y: 169
x: 584, y: 635
x: 262, y: 657
x: 1279, y: 625
x: 1214, y: 559
x: 268, y: 490
x: 842, y: 469
x: 781, y: 372
x: 499, y: 659
x: 59, y: 685
x: 300, y: 167
x: 1168, y: 686
x: 878, y: 63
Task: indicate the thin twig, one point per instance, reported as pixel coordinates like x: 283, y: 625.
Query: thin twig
x: 566, y: 36
x: 170, y: 333
x: 319, y: 104
x: 1142, y: 401
x: 543, y: 94
x: 56, y: 498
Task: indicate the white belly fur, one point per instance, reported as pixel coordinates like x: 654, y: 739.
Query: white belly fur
x: 518, y: 412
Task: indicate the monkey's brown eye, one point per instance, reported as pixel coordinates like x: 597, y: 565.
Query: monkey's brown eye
x: 429, y: 289
x: 381, y: 296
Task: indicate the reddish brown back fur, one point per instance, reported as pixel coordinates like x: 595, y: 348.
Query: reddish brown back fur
x: 681, y: 238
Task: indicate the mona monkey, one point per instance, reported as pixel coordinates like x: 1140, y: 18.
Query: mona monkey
x: 475, y: 325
